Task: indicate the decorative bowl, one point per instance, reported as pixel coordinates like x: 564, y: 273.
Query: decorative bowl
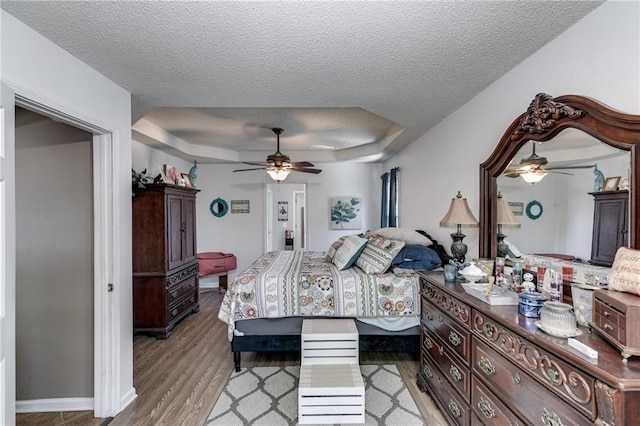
x: 472, y: 277
x: 472, y: 273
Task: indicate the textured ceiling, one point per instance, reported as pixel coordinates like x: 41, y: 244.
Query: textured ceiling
x: 346, y: 80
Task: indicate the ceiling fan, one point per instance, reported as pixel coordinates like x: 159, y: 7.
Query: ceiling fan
x: 532, y: 169
x: 279, y: 165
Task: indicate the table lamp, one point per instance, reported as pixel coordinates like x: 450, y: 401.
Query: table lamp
x: 505, y: 218
x: 459, y: 216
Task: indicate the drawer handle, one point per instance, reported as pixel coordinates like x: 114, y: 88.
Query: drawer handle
x: 454, y: 338
x: 455, y: 373
x: 608, y: 327
x: 440, y: 318
x: 174, y: 293
x: 174, y: 312
x: 427, y: 315
x: 486, y: 366
x: 485, y: 408
x: 428, y: 343
x: 551, y: 419
x: 516, y: 378
x: 453, y: 407
x: 441, y: 350
x: 606, y: 313
x: 427, y: 371
x: 440, y: 381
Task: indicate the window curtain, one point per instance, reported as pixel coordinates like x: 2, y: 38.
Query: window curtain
x: 389, y: 199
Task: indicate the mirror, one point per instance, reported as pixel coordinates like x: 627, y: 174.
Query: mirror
x: 545, y: 119
x: 556, y: 213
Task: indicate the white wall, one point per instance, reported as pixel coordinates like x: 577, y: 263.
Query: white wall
x: 54, y: 262
x: 41, y: 71
x: 599, y: 57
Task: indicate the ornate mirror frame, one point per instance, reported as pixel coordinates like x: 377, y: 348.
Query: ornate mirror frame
x: 542, y: 121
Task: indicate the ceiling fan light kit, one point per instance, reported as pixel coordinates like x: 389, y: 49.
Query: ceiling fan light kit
x: 278, y: 165
x: 533, y: 176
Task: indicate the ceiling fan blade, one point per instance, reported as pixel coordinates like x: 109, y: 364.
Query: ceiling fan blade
x: 251, y: 163
x: 560, y: 173
x: 305, y: 170
x: 247, y: 170
x: 570, y: 167
x: 302, y: 164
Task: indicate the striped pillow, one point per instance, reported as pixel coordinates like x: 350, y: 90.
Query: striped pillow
x: 349, y: 252
x: 378, y: 254
x: 334, y: 248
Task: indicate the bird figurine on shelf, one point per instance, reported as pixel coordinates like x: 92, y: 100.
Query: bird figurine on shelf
x: 192, y: 173
x: 599, y: 181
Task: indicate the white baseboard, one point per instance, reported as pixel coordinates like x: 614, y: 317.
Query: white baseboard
x: 128, y: 398
x: 54, y: 404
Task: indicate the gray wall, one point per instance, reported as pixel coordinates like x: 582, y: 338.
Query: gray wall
x: 54, y: 260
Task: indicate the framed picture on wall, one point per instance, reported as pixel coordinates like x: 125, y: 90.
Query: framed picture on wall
x: 346, y: 213
x: 283, y: 211
x: 239, y: 206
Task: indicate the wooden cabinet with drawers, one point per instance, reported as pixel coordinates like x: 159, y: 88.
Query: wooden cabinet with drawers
x: 489, y: 365
x: 616, y: 316
x: 165, y: 267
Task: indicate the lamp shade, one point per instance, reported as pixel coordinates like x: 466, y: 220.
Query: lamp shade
x: 506, y: 217
x: 278, y: 174
x: 459, y: 214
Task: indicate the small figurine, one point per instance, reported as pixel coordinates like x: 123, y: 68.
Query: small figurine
x: 599, y: 182
x: 192, y: 173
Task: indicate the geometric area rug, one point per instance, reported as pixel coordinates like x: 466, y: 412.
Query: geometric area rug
x: 269, y: 396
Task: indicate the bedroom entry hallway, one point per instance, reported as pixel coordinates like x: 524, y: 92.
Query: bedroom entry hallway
x: 285, y: 216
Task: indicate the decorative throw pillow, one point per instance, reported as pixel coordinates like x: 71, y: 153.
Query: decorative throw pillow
x: 348, y: 252
x: 378, y: 253
x: 625, y: 271
x: 334, y: 248
x: 407, y: 235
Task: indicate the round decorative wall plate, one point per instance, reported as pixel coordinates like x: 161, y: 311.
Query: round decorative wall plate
x: 534, y: 210
x: 218, y: 207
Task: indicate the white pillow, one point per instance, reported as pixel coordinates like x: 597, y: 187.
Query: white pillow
x: 348, y: 252
x: 407, y: 235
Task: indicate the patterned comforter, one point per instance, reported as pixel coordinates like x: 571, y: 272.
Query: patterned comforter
x: 302, y: 283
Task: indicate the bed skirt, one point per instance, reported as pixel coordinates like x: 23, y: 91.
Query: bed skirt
x: 283, y: 335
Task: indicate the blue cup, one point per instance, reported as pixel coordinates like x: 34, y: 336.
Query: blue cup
x: 450, y: 272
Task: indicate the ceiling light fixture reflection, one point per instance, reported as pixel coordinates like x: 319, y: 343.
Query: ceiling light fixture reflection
x: 533, y: 176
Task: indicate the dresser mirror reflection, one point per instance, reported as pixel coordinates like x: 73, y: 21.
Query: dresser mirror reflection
x: 574, y: 161
x: 559, y: 126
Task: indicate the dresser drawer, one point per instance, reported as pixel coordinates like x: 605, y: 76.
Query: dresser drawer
x: 451, y: 404
x: 178, y: 291
x: 610, y: 320
x: 176, y: 310
x: 450, y: 366
x: 566, y: 380
x: 528, y: 397
x: 488, y: 408
x: 457, y: 338
x: 458, y: 310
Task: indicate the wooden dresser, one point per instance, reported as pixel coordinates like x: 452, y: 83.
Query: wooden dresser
x: 165, y: 267
x: 490, y: 365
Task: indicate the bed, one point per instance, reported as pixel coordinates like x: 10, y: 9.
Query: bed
x: 370, y: 278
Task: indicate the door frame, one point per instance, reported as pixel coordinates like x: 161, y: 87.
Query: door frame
x: 107, y: 315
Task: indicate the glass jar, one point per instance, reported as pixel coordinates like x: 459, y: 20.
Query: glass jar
x: 558, y: 319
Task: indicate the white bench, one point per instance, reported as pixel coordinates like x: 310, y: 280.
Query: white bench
x: 330, y: 394
x: 329, y: 341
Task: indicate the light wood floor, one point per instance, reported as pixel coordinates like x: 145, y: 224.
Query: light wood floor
x: 178, y: 380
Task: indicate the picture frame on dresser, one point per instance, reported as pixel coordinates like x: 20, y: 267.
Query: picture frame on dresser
x: 611, y: 183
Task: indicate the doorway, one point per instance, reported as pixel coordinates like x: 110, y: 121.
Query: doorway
x: 286, y: 216
x: 54, y: 263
